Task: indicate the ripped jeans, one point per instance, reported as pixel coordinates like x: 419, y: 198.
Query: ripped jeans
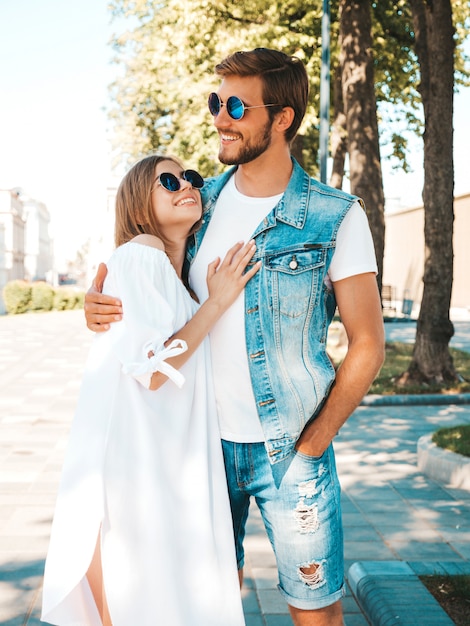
x: 299, y: 500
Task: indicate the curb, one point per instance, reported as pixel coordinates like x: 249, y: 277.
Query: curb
x: 416, y: 399
x: 444, y: 466
x: 390, y: 592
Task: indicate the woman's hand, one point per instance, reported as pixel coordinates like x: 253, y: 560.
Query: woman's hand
x: 226, y: 280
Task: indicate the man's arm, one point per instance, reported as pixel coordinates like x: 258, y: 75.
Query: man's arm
x: 101, y: 310
x: 361, y: 314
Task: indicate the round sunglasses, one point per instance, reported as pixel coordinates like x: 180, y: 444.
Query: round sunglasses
x: 235, y: 106
x: 172, y: 183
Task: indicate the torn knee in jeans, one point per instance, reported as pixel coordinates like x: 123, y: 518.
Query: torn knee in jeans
x: 312, y: 574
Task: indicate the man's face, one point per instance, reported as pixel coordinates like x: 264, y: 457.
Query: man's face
x: 242, y: 141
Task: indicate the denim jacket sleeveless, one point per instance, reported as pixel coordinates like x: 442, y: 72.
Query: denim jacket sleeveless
x: 288, y: 308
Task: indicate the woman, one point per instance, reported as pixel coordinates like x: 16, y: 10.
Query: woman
x: 142, y: 532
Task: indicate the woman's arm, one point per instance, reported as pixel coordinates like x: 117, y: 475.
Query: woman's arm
x: 225, y: 281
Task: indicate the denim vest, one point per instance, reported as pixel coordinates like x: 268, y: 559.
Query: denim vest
x: 288, y: 307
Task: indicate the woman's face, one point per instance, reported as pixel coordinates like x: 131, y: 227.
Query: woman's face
x: 176, y: 212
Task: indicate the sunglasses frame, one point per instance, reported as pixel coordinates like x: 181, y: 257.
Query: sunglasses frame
x: 196, y: 183
x: 227, y: 105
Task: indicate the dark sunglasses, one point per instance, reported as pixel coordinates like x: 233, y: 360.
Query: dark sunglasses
x: 235, y: 107
x: 172, y: 183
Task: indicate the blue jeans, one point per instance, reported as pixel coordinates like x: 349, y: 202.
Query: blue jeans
x: 299, y: 500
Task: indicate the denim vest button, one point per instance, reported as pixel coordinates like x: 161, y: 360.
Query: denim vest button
x: 293, y: 264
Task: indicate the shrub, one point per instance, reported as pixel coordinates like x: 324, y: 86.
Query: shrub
x: 79, y: 299
x: 21, y: 296
x: 42, y: 297
x: 61, y: 299
x: 67, y: 299
x: 17, y: 296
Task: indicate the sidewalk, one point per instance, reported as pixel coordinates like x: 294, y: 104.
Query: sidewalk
x: 397, y: 521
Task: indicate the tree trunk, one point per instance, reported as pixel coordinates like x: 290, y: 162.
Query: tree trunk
x: 434, y: 47
x: 297, y: 148
x: 339, y: 133
x: 361, y: 116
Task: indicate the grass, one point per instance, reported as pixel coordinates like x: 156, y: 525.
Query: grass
x: 397, y: 359
x: 456, y: 439
x: 453, y: 594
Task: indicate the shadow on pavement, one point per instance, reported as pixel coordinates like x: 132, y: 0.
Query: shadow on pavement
x: 20, y: 586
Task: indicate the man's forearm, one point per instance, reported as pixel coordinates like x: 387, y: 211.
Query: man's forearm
x: 353, y: 380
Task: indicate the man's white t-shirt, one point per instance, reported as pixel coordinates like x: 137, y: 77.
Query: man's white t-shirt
x: 235, y: 218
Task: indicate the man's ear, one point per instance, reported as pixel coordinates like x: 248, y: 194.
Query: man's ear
x: 284, y: 119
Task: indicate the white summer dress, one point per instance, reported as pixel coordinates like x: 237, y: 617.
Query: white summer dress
x: 146, y: 468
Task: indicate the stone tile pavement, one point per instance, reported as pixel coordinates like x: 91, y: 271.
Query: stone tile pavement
x: 398, y: 523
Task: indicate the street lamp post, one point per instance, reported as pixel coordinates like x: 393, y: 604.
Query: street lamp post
x: 325, y: 91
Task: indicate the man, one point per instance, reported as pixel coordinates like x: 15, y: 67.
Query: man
x: 280, y: 403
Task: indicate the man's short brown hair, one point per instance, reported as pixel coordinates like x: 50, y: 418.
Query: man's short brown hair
x: 284, y: 79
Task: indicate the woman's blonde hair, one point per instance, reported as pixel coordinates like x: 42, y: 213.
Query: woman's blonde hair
x: 134, y: 210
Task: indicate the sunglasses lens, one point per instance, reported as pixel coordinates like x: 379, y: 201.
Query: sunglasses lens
x: 169, y: 181
x: 214, y: 104
x: 194, y: 178
x: 235, y: 108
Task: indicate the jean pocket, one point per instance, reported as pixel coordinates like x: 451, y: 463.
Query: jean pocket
x: 308, y: 458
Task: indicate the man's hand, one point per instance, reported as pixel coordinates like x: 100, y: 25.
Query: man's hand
x: 101, y: 310
x: 361, y: 313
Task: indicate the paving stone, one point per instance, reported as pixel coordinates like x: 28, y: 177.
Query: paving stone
x: 386, y: 500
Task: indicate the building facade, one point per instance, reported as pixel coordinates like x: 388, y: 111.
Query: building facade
x: 405, y: 254
x: 14, y: 225
x: 38, y: 259
x: 26, y: 248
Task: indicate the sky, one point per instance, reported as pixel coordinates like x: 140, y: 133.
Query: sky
x: 55, y: 70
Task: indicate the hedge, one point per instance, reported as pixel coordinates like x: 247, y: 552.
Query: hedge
x: 42, y: 297
x: 21, y: 296
x: 17, y: 296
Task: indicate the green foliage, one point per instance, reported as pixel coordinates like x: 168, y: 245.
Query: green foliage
x: 456, y: 439
x: 168, y: 56
x: 397, y: 360
x: 167, y: 52
x: 461, y: 18
x: 62, y: 299
x: 79, y: 300
x: 66, y: 299
x: 17, y: 296
x: 397, y: 73
x: 42, y: 297
x: 21, y: 297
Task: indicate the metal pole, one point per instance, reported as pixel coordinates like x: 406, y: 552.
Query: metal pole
x: 325, y: 91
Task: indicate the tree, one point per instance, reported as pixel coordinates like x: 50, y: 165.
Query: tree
x: 170, y: 48
x: 434, y: 46
x: 339, y: 132
x: 168, y: 55
x: 360, y: 110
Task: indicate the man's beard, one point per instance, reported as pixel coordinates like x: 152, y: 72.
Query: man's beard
x: 249, y: 152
